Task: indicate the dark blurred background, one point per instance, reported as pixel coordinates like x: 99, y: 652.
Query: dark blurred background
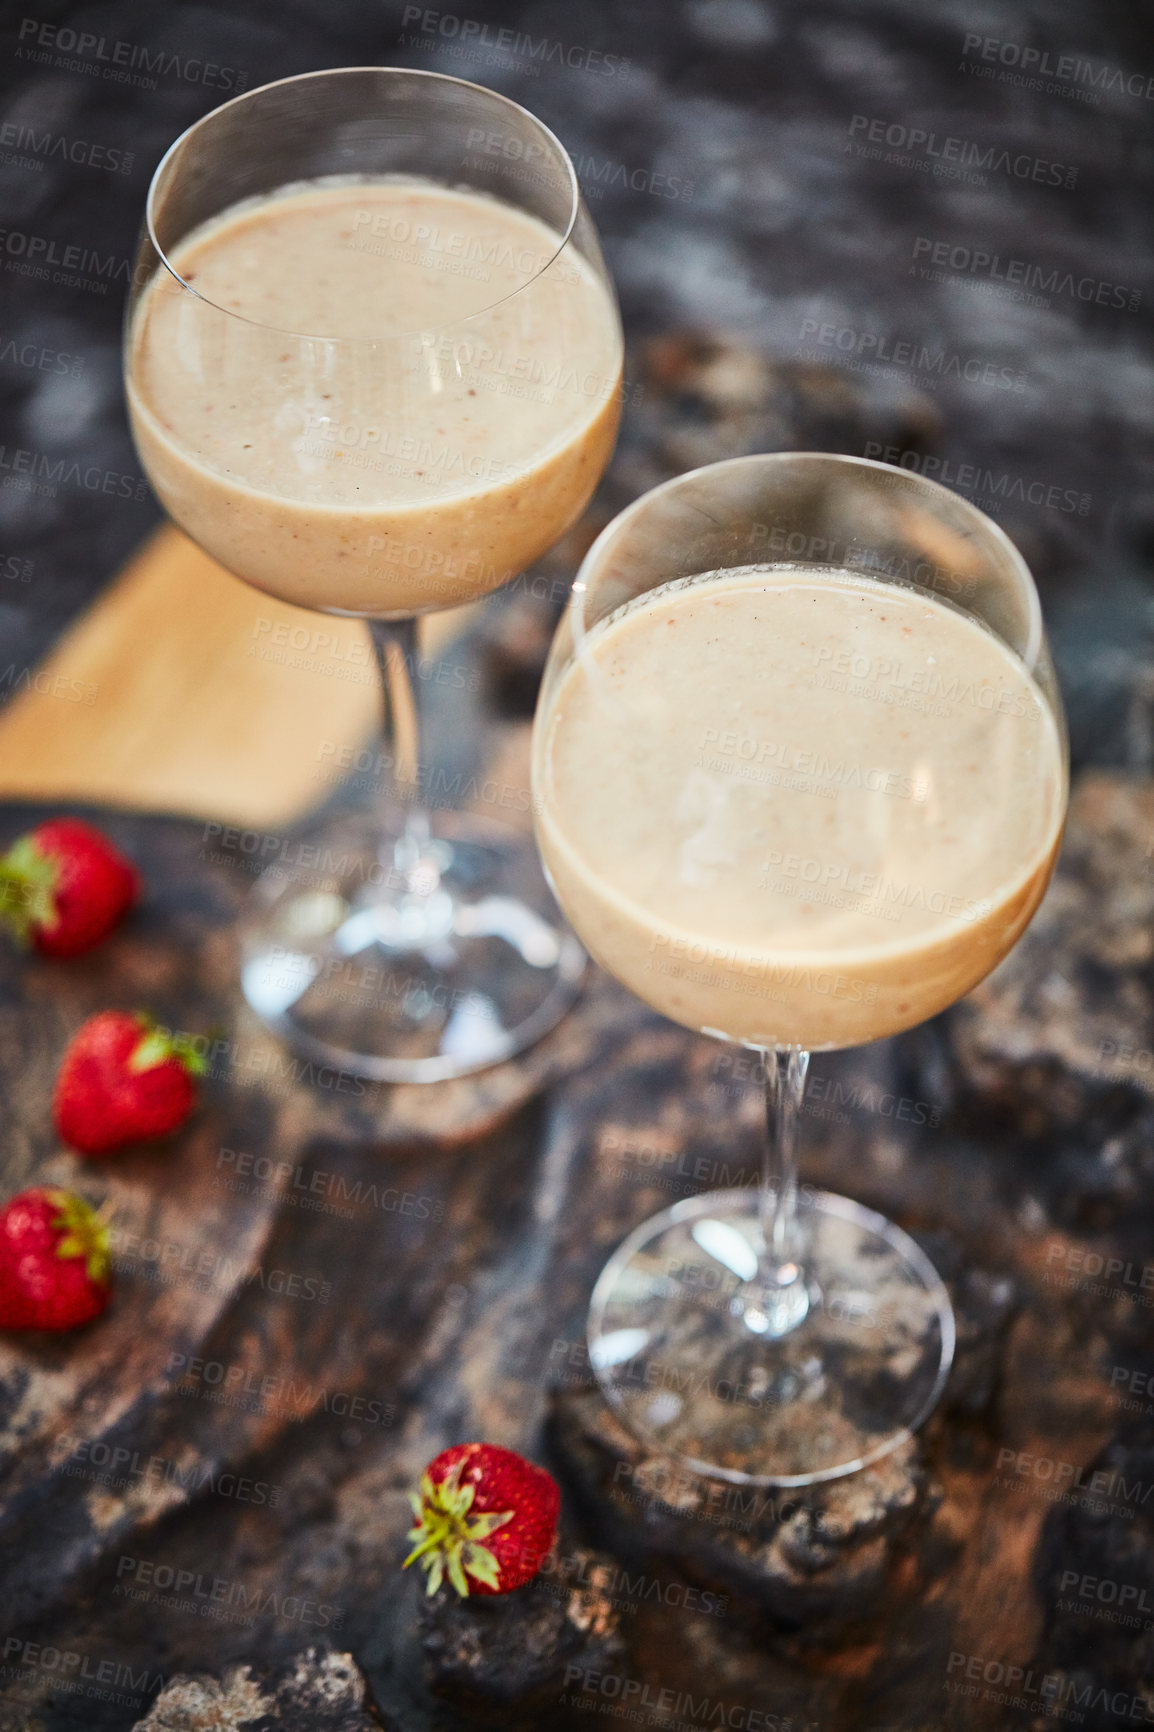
x: 950, y: 203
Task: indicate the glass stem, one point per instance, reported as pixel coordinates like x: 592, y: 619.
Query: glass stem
x: 396, y: 649
x: 777, y: 1298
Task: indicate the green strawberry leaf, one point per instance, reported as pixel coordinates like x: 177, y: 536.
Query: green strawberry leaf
x: 480, y: 1562
x: 483, y: 1525
x: 27, y: 889
x: 448, y: 1487
x: 447, y: 1536
x: 430, y: 1539
x: 158, y: 1044
x: 83, y: 1234
x: 457, y: 1574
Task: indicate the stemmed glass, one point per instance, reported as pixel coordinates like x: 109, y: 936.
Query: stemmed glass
x: 373, y: 364
x: 799, y: 770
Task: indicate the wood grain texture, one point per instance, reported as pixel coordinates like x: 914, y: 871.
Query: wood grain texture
x: 184, y: 690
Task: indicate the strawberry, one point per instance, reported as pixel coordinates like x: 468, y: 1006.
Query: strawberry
x: 54, y: 1268
x: 474, y: 1493
x: 123, y: 1080
x: 64, y: 886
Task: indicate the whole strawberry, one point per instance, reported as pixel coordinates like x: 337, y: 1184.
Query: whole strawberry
x: 123, y: 1080
x: 54, y: 1268
x: 486, y: 1513
x: 64, y: 886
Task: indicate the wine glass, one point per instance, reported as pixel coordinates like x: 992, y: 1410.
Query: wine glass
x: 373, y: 363
x: 799, y: 769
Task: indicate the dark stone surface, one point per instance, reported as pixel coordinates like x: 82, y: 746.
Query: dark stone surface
x: 503, y: 1660
x: 817, y: 1560
x: 214, y: 1476
x: 1057, y: 1041
x: 324, y: 1692
x: 770, y: 291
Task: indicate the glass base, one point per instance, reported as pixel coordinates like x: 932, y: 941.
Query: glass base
x: 416, y: 957
x: 691, y: 1355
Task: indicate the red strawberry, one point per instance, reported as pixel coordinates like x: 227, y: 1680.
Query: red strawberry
x: 123, y: 1080
x: 64, y: 886
x: 54, y: 1270
x: 474, y: 1493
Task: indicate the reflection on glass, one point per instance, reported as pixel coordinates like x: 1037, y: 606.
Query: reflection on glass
x: 801, y: 778
x: 374, y: 368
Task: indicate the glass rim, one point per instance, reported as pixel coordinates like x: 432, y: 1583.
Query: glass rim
x: 414, y: 72
x: 1035, y: 638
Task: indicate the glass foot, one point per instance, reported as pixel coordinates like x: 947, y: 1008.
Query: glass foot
x: 678, y: 1341
x: 430, y: 954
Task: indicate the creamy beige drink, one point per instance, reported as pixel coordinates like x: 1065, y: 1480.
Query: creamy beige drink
x: 378, y: 397
x: 797, y: 806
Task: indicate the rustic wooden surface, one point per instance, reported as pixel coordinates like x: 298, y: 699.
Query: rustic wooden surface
x: 442, y: 1297
x: 183, y: 690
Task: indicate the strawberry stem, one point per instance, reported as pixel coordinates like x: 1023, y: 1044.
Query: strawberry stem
x: 435, y: 1536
